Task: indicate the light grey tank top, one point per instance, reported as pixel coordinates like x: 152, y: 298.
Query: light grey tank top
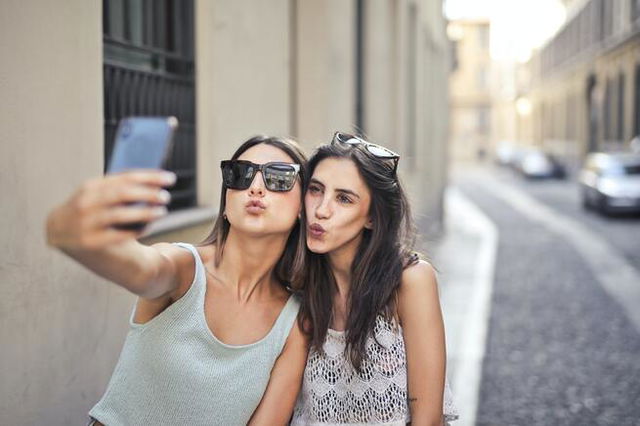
x: 174, y: 371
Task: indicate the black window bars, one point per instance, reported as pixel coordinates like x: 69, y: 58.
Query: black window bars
x: 149, y: 70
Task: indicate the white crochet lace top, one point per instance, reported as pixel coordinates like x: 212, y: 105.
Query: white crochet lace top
x: 334, y: 393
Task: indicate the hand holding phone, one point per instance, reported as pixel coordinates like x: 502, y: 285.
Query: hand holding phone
x: 141, y: 143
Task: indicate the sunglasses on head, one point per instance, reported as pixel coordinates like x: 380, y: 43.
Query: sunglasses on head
x: 374, y: 149
x: 277, y: 176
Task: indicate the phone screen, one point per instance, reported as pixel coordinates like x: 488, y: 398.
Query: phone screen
x: 142, y: 143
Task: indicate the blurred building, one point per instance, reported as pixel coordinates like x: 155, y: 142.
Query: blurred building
x: 584, y: 84
x: 470, y: 89
x: 228, y: 69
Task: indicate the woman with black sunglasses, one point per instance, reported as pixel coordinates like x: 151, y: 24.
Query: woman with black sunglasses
x: 213, y: 337
x: 370, y: 304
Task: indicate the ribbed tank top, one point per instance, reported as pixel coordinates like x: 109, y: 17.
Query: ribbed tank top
x: 174, y: 371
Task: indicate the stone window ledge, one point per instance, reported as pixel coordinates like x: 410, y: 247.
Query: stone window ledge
x: 180, y: 219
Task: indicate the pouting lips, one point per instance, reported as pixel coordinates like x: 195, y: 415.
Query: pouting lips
x: 255, y: 206
x: 316, y: 230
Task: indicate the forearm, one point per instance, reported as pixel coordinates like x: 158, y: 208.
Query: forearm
x: 279, y: 398
x: 130, y: 264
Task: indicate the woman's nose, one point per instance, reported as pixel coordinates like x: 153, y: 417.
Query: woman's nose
x: 257, y: 185
x: 323, y: 210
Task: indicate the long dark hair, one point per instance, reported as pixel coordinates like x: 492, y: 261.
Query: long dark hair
x: 376, y: 271
x: 290, y: 266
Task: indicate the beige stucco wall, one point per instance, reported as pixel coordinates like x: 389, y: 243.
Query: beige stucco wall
x: 387, y: 99
x: 324, y: 94
x: 559, y: 120
x: 468, y: 96
x: 60, y: 326
x: 243, y: 72
x: 429, y: 178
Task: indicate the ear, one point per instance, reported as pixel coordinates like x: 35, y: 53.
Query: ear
x: 369, y: 224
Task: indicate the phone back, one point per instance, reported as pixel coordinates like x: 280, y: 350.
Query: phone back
x: 141, y: 143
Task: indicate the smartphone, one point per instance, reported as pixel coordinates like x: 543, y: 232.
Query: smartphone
x: 141, y: 143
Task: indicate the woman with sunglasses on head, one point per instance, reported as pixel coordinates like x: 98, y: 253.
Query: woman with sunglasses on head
x: 370, y: 304
x: 213, y: 338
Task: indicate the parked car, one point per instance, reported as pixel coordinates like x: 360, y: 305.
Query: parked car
x: 505, y: 153
x: 610, y: 182
x: 535, y: 163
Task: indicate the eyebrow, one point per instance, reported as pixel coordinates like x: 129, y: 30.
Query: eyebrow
x: 346, y: 191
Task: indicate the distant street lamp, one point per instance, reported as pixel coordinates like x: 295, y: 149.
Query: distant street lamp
x: 523, y: 106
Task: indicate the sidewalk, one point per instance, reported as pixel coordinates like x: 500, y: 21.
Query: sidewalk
x: 465, y: 258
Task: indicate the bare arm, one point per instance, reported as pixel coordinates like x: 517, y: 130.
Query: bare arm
x: 279, y: 399
x: 82, y: 228
x: 423, y: 329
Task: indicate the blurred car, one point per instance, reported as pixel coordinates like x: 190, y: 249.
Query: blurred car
x: 535, y: 163
x: 505, y: 153
x: 610, y: 182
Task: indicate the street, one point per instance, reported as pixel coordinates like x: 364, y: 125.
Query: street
x: 561, y: 339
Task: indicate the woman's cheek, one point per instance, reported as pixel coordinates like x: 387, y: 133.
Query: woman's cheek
x: 290, y: 208
x: 308, y: 206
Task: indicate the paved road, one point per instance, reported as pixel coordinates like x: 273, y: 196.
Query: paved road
x: 563, y: 331
x: 621, y: 231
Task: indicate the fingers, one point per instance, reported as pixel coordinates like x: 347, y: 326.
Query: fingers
x: 134, y: 194
x: 86, y: 220
x: 128, y: 187
x: 122, y: 215
x: 157, y: 178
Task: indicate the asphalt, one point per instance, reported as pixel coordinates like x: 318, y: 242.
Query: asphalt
x: 537, y: 332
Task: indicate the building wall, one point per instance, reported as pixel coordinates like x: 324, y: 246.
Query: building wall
x: 567, y: 118
x: 406, y: 68
x: 60, y: 327
x: 470, y: 85
x: 324, y: 66
x: 283, y: 67
x: 243, y: 85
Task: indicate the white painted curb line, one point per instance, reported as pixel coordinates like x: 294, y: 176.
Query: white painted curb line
x: 472, y: 344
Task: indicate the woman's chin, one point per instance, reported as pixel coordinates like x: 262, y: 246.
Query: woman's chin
x: 316, y: 246
x: 257, y: 227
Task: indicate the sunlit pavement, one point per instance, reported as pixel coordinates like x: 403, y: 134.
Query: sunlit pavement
x: 556, y: 292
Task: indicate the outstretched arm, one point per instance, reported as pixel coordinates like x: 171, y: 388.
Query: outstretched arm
x: 83, y: 228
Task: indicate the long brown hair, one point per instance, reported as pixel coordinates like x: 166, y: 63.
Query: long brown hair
x: 377, y: 267
x: 290, y: 266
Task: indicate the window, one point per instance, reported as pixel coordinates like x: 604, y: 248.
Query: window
x: 607, y: 19
x: 620, y: 109
x: 483, y: 120
x: 635, y: 10
x: 360, y: 62
x: 149, y: 70
x: 608, y: 104
x: 636, y: 124
x: 481, y: 78
x: 411, y: 77
x: 483, y: 36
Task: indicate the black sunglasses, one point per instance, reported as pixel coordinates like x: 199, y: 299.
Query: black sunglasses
x: 376, y: 150
x: 277, y: 176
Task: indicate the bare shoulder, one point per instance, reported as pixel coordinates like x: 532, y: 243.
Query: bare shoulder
x: 418, y: 289
x: 420, y: 276
x: 183, y: 265
x: 297, y: 339
x: 177, y: 265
